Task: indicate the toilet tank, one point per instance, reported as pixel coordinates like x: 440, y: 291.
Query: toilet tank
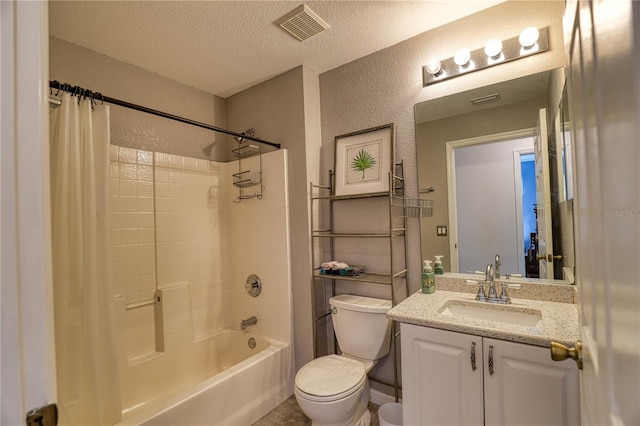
x: 361, y: 325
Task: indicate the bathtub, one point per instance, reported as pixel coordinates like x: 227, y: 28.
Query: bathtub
x: 225, y: 382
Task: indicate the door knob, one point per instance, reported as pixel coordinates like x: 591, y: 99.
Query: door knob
x: 560, y: 352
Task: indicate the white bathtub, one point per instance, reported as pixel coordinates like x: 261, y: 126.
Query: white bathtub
x: 216, y: 381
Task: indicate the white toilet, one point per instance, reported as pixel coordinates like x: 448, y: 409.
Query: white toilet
x: 334, y: 389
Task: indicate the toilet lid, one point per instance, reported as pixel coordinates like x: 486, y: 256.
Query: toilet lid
x: 330, y: 375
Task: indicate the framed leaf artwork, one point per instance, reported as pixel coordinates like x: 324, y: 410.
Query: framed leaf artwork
x: 363, y: 160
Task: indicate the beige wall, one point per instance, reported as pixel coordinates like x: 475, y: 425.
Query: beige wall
x: 284, y: 110
x: 384, y: 87
x: 82, y: 67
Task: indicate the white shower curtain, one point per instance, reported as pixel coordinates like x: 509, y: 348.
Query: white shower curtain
x: 86, y: 357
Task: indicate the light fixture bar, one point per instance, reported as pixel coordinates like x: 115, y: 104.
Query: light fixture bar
x: 511, y: 50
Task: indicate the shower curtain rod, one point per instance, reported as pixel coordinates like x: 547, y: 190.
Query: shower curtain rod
x: 76, y: 90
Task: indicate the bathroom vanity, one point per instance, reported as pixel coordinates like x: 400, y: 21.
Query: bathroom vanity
x: 467, y: 362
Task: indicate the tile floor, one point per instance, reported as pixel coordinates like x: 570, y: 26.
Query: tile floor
x: 289, y: 414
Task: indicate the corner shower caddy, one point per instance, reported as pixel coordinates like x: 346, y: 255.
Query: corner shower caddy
x: 400, y: 208
x: 248, y: 178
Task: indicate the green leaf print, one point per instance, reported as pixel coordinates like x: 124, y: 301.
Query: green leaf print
x: 362, y: 162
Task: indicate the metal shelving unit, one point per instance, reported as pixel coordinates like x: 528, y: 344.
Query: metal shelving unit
x: 248, y: 178
x: 400, y: 207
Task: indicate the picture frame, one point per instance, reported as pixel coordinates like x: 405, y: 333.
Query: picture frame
x: 363, y: 160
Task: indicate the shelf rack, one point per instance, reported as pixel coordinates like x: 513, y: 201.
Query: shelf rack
x: 248, y: 178
x: 400, y: 207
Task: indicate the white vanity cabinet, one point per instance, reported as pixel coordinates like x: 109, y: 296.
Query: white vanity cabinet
x: 508, y: 384
x: 439, y: 384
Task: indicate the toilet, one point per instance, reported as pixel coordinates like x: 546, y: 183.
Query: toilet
x: 334, y: 389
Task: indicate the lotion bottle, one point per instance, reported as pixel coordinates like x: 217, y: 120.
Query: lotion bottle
x: 428, y: 279
x: 438, y: 268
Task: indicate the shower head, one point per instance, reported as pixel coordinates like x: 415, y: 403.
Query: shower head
x: 249, y: 132
x: 207, y: 150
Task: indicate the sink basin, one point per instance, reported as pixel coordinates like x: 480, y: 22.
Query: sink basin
x: 505, y: 314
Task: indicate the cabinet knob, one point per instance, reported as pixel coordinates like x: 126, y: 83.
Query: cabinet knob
x: 560, y: 352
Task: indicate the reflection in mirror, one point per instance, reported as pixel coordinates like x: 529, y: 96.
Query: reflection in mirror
x: 487, y: 177
x: 479, y: 193
x: 567, y: 149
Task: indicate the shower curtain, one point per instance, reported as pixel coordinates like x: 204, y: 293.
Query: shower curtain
x: 86, y: 357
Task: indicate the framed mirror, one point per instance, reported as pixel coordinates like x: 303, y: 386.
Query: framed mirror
x: 481, y: 156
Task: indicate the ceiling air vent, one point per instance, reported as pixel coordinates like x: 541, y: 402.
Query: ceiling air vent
x: 302, y: 23
x: 486, y: 99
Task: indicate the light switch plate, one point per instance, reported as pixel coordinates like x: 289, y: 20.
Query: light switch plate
x: 441, y: 230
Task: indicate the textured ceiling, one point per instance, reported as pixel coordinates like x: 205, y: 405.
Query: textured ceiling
x: 223, y: 47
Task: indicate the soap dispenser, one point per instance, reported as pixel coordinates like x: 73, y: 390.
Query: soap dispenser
x: 428, y: 279
x: 438, y: 268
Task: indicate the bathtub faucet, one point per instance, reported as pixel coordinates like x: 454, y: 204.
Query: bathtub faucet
x: 244, y: 324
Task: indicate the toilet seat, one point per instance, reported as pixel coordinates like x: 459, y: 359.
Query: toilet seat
x: 330, y: 378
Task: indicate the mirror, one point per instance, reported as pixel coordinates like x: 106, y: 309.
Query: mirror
x: 477, y: 157
x: 566, y: 163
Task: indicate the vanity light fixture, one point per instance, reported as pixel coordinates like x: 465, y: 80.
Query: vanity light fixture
x: 462, y: 57
x: 433, y: 67
x: 530, y: 42
x: 528, y: 37
x: 493, y: 48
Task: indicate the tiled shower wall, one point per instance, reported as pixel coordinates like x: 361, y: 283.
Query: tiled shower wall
x: 189, y: 224
x: 179, y: 247
x: 198, y: 248
x: 258, y: 242
x: 133, y: 247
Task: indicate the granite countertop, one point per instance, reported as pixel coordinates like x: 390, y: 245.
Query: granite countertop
x: 559, y: 320
x: 527, y: 288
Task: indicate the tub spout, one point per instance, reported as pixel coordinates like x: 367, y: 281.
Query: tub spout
x: 244, y: 324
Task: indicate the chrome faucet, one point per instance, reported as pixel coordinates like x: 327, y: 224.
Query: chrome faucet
x: 492, y: 297
x: 504, y: 297
x: 490, y: 278
x: 497, y: 274
x: 481, y: 296
x: 244, y: 324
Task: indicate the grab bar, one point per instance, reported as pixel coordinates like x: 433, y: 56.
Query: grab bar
x: 141, y: 303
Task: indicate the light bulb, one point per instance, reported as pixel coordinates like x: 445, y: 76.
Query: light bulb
x: 493, y: 48
x: 434, y: 66
x: 462, y: 57
x: 528, y: 37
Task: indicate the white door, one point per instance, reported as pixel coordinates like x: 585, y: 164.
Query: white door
x: 604, y: 81
x: 543, y: 196
x: 473, y: 165
x: 441, y: 377
x: 523, y: 386
x: 27, y: 353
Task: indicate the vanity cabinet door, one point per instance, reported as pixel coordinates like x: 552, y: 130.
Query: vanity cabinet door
x: 523, y: 386
x: 439, y: 383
